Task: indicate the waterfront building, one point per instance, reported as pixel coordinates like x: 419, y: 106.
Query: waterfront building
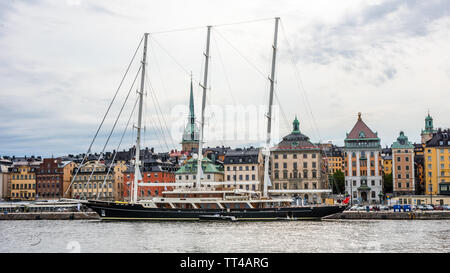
x: 244, y: 165
x: 191, y: 136
x: 386, y: 160
x: 22, y: 177
x: 363, y: 173
x: 297, y: 163
x: 154, y: 170
x: 187, y: 173
x: 93, y: 178
x: 437, y: 163
x: 53, y: 178
x: 119, y: 170
x: 403, y: 178
x: 428, y: 132
x: 387, y: 164
x: 419, y: 167
x: 436, y: 200
x: 335, y: 159
x: 5, y: 188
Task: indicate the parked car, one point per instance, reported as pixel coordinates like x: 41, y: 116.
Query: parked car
x: 353, y: 208
x: 429, y: 207
x: 438, y: 208
x: 446, y: 207
x: 384, y: 208
x: 421, y: 207
x: 361, y: 208
x: 413, y: 207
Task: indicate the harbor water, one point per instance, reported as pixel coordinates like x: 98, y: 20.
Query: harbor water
x: 57, y: 236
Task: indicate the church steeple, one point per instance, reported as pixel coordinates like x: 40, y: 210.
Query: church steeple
x: 427, y: 133
x: 190, y: 137
x: 191, y: 111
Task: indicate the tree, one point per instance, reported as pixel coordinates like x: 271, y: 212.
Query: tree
x: 338, y: 182
x: 387, y: 183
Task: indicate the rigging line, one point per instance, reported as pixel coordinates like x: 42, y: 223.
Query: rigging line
x: 299, y: 81
x: 242, y: 55
x: 157, y: 106
x: 157, y: 115
x: 118, y: 147
x: 158, y: 67
x: 173, y: 58
x: 218, y: 25
x: 286, y: 123
x: 243, y: 22
x: 211, y: 117
x: 104, y: 117
x: 157, y: 134
x: 112, y: 130
x: 153, y: 94
x: 223, y: 68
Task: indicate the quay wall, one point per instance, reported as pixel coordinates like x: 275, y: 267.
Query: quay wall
x: 390, y: 215
x: 49, y: 216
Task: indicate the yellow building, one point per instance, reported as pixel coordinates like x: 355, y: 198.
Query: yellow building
x: 22, y: 178
x: 437, y: 163
x: 94, y: 180
x: 335, y: 163
x: 387, y: 165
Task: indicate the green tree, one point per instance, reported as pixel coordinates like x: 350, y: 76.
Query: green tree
x: 387, y: 183
x: 338, y: 178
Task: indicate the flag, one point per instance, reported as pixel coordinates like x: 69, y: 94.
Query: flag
x: 346, y: 200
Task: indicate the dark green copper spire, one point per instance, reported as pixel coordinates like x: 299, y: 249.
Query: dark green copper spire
x: 191, y: 130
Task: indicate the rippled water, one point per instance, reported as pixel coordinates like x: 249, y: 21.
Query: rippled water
x: 315, y: 236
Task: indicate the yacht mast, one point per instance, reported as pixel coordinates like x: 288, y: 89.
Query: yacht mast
x: 137, y: 161
x: 269, y: 114
x: 202, y: 121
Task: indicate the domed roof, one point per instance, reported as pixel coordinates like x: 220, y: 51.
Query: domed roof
x: 295, y: 140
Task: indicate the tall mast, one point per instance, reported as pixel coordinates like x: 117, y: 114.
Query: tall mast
x: 202, y: 119
x: 137, y: 161
x: 269, y: 114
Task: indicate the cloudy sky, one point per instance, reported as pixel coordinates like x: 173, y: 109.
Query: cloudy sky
x: 61, y: 61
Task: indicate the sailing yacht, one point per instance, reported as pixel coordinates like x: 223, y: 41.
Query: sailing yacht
x: 208, y: 200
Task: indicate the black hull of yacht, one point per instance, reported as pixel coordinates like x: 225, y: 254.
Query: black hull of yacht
x: 134, y: 212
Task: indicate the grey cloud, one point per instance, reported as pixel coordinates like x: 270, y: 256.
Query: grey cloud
x: 328, y: 42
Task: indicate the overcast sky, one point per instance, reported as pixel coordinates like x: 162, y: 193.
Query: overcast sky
x: 62, y: 61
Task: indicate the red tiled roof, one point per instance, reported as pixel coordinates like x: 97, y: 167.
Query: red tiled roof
x: 360, y: 126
